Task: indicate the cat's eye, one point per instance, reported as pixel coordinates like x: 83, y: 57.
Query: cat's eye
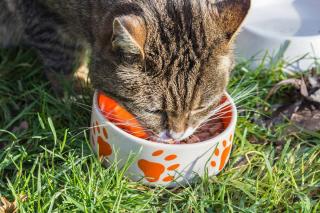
x: 129, y: 58
x: 155, y: 111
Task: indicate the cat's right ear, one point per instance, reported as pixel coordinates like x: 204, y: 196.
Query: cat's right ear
x: 230, y: 15
x: 129, y: 34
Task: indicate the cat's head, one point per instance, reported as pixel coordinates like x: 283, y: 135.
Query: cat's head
x: 169, y: 64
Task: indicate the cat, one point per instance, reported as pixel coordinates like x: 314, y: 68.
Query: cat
x: 167, y: 61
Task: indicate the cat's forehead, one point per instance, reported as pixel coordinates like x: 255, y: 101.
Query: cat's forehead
x: 182, y: 20
x: 183, y: 36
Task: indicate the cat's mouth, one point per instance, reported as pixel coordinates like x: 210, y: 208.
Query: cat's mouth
x: 208, y: 130
x: 167, y: 136
x: 163, y: 137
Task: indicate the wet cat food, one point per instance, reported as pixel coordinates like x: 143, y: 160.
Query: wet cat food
x: 210, y: 130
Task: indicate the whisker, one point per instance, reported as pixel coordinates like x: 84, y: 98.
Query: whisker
x: 107, y: 114
x: 82, y: 105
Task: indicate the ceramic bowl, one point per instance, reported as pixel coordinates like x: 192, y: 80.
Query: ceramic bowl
x: 289, y: 26
x: 158, y: 164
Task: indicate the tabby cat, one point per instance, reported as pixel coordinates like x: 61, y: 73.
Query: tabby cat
x: 166, y: 61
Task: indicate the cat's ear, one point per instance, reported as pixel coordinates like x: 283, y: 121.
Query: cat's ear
x: 231, y: 14
x: 129, y: 34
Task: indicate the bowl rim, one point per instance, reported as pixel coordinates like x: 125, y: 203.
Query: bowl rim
x: 211, y: 141
x: 266, y: 34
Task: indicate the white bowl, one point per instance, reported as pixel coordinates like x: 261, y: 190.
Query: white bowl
x: 271, y: 25
x: 158, y: 164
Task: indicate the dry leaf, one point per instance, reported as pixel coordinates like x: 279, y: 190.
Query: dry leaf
x: 283, y: 113
x: 241, y: 162
x: 314, y: 193
x: 307, y: 119
x: 309, y: 87
x: 292, y: 81
x: 304, y: 109
x: 314, y: 79
x: 22, y: 126
x: 315, y: 97
x: 8, y: 207
x: 303, y: 88
x: 254, y: 140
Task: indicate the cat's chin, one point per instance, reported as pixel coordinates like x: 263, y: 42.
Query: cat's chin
x: 164, y: 137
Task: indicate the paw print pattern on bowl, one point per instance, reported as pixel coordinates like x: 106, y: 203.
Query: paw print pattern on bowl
x: 221, y: 154
x: 99, y: 140
x: 153, y: 170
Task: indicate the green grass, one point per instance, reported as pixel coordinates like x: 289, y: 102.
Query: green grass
x: 52, y: 163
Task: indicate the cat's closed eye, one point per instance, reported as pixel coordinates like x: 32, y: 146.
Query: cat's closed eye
x: 155, y: 111
x: 128, y: 58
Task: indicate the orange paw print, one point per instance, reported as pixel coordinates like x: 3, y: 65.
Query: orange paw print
x: 153, y: 170
x: 223, y: 153
x: 101, y: 135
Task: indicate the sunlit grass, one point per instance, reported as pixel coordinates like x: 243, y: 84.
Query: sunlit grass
x: 52, y: 163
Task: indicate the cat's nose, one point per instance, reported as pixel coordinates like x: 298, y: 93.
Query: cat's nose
x: 178, y: 128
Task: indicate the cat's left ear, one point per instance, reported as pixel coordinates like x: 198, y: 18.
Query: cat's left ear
x: 230, y: 15
x: 129, y: 34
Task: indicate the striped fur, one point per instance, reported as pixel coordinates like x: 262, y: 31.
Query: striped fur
x: 167, y: 61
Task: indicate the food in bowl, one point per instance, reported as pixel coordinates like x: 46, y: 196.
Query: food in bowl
x: 210, y: 129
x: 160, y: 164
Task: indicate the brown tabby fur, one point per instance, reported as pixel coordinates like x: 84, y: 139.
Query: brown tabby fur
x: 166, y: 61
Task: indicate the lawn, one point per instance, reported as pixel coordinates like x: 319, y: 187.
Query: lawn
x: 45, y: 154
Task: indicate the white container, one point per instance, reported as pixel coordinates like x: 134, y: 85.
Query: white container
x: 290, y: 25
x: 158, y: 164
